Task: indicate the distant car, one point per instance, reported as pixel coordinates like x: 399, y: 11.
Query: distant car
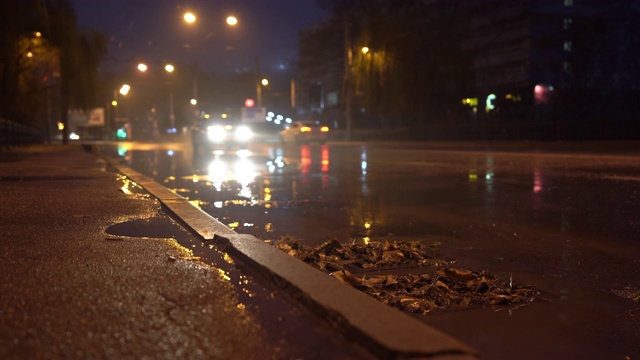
x: 305, y: 131
x: 216, y: 134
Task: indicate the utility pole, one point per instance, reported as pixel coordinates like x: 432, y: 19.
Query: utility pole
x: 346, y: 80
x: 172, y: 115
x: 293, y: 94
x: 258, y: 85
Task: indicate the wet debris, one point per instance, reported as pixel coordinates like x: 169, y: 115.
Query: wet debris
x: 173, y: 258
x: 438, y: 286
x: 333, y: 255
x: 630, y: 293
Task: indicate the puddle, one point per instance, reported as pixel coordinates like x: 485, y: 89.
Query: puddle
x: 157, y: 227
x: 267, y: 304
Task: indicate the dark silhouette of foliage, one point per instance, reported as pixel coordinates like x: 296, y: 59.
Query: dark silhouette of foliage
x: 424, y: 57
x: 413, y: 70
x: 46, y: 58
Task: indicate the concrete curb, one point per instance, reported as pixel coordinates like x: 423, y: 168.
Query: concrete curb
x: 385, y: 332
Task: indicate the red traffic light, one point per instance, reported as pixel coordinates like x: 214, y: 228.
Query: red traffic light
x: 249, y: 103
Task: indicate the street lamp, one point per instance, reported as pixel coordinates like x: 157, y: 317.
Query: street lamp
x: 124, y: 90
x: 189, y: 18
x: 232, y: 20
x: 169, y: 68
x: 172, y: 116
x: 263, y: 82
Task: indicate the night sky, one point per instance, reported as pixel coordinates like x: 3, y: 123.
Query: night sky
x: 154, y: 31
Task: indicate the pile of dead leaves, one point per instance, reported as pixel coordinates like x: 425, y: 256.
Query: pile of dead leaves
x: 448, y: 288
x: 439, y: 287
x: 333, y: 255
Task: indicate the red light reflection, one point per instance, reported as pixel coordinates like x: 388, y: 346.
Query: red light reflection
x: 305, y: 159
x: 325, y: 159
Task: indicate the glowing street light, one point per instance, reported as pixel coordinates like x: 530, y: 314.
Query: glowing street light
x: 190, y: 18
x: 232, y: 20
x: 142, y: 67
x: 365, y: 50
x: 169, y: 68
x: 194, y: 102
x: 124, y: 90
x: 265, y: 82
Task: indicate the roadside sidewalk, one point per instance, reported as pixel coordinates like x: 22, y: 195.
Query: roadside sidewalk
x: 72, y: 287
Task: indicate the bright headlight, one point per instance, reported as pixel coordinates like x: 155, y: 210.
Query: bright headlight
x: 243, y: 133
x: 216, y: 133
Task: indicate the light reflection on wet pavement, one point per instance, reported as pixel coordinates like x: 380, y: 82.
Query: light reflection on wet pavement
x: 292, y: 333
x: 567, y: 224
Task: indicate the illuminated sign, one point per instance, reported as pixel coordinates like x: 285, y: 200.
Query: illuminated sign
x: 490, y: 99
x: 470, y: 101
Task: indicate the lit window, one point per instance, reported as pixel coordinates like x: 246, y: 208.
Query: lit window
x: 568, y: 2
x: 567, y: 46
x: 567, y: 23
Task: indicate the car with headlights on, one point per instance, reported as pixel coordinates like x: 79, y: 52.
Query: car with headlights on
x: 216, y: 134
x: 304, y: 132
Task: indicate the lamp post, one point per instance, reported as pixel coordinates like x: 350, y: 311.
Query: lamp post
x: 258, y: 86
x: 190, y: 18
x: 346, y: 78
x: 124, y: 90
x: 172, y: 116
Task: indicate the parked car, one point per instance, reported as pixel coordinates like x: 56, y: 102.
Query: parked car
x: 216, y: 134
x: 305, y: 131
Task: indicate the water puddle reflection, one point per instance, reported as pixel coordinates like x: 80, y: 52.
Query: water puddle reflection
x: 253, y: 297
x: 156, y: 227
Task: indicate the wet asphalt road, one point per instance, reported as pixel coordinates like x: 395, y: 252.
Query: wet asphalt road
x: 567, y: 223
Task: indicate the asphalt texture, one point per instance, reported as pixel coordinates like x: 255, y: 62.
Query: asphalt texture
x: 73, y: 287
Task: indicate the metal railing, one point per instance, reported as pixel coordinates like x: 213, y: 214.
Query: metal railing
x: 14, y: 134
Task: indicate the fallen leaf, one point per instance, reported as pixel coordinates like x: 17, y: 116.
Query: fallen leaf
x: 441, y: 285
x: 458, y: 275
x: 499, y: 299
x: 346, y: 277
x: 374, y: 281
x: 390, y: 280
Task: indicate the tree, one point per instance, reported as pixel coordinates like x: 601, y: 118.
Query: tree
x: 413, y: 69
x: 37, y: 68
x: 80, y: 56
x: 46, y: 28
x: 15, y: 19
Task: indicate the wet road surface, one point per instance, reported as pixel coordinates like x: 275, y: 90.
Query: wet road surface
x: 566, y: 223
